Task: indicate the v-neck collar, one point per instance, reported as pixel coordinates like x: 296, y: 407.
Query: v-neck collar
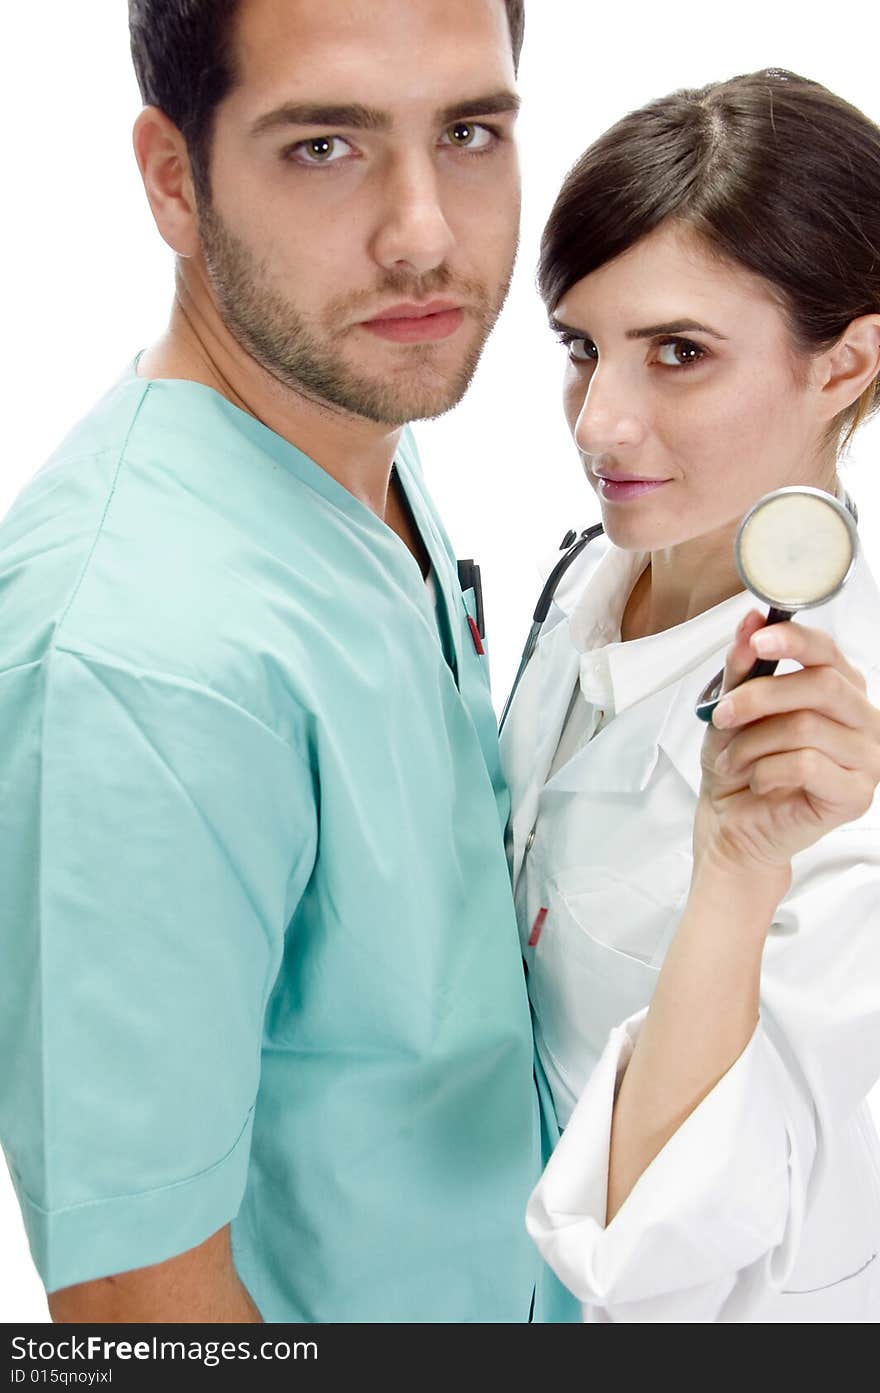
x: 443, y: 616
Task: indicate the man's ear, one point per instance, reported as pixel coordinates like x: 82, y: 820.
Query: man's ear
x: 161, y: 154
x: 850, y: 366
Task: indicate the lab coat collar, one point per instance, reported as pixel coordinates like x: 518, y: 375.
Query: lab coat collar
x: 662, y: 720
x: 645, y: 665
x: 665, y: 719
x: 597, y: 613
x: 683, y: 659
x: 575, y: 581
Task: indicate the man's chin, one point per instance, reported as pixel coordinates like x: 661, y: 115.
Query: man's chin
x: 418, y: 391
x: 402, y: 412
x: 397, y: 403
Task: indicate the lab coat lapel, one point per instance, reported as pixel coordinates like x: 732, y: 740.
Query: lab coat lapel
x: 681, y: 737
x: 616, y: 766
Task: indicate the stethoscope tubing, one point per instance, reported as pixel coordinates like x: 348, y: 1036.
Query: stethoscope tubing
x: 574, y: 547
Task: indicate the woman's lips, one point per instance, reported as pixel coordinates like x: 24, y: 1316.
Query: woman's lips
x: 416, y: 323
x: 622, y: 490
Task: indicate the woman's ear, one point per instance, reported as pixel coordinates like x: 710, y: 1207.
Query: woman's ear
x: 846, y: 369
x: 162, y: 157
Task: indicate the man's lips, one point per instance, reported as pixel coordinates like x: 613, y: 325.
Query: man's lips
x: 412, y: 323
x: 620, y: 488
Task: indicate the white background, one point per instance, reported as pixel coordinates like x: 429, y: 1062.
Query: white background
x: 87, y: 280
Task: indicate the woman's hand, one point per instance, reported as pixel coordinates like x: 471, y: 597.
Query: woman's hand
x: 787, y: 758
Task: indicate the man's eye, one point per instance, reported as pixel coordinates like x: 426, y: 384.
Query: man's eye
x: 467, y: 135
x: 320, y: 149
x: 679, y: 353
x: 580, y: 350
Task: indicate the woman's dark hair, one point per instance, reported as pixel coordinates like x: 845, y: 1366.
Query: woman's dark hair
x: 773, y: 171
x: 183, y: 54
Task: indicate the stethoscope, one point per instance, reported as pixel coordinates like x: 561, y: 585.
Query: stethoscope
x: 795, y: 549
x: 572, y: 544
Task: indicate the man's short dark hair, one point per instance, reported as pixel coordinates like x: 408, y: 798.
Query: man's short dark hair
x: 183, y: 58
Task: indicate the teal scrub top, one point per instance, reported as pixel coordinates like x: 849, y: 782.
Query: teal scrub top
x: 260, y: 961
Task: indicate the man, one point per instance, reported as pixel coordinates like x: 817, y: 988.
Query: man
x: 269, y: 1040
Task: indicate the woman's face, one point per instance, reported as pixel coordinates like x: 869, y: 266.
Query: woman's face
x: 684, y: 393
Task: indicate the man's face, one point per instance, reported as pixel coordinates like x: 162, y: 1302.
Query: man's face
x: 362, y: 225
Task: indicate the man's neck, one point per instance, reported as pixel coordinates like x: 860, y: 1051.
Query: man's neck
x: 196, y: 347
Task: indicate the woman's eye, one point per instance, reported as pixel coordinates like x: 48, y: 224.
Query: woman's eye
x: 581, y: 350
x: 467, y: 135
x: 320, y: 149
x: 679, y: 353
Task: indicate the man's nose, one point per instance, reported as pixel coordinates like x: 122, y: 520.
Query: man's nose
x: 413, y: 232
x: 610, y: 418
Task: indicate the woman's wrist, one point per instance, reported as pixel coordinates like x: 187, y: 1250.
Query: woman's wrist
x: 731, y: 888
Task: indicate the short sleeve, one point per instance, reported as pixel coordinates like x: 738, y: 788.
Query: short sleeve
x: 154, y: 841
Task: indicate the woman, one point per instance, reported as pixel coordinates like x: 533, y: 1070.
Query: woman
x: 712, y: 267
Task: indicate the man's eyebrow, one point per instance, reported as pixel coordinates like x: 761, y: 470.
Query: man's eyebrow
x: 650, y: 331
x: 328, y: 114
x: 356, y: 116
x: 496, y: 104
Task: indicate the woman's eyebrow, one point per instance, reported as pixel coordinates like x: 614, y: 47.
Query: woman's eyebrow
x: 650, y: 331
x: 675, y: 326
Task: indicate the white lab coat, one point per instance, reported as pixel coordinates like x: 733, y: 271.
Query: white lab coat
x: 765, y: 1205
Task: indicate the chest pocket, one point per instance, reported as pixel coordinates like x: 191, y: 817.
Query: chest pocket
x: 629, y: 912
x: 600, y: 952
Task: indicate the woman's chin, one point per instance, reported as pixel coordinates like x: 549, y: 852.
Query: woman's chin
x: 631, y: 535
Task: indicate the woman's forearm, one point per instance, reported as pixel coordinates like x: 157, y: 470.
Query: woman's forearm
x: 702, y: 1016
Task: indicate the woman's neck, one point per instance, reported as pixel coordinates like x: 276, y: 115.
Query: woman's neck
x: 681, y: 582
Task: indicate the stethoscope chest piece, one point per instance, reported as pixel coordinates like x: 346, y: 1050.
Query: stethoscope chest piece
x: 795, y: 549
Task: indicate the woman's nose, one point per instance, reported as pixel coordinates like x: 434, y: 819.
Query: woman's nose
x: 610, y: 417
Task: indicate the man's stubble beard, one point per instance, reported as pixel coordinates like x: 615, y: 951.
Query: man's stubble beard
x: 281, y: 339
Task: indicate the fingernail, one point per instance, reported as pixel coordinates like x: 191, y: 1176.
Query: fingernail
x: 767, y: 644
x: 723, y: 715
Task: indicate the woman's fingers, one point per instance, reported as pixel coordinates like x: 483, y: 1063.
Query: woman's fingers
x: 827, y: 788
x: 740, y: 656
x: 807, y: 646
x: 740, y: 659
x: 827, y: 682
x: 791, y: 756
x: 799, y: 730
x: 822, y: 689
